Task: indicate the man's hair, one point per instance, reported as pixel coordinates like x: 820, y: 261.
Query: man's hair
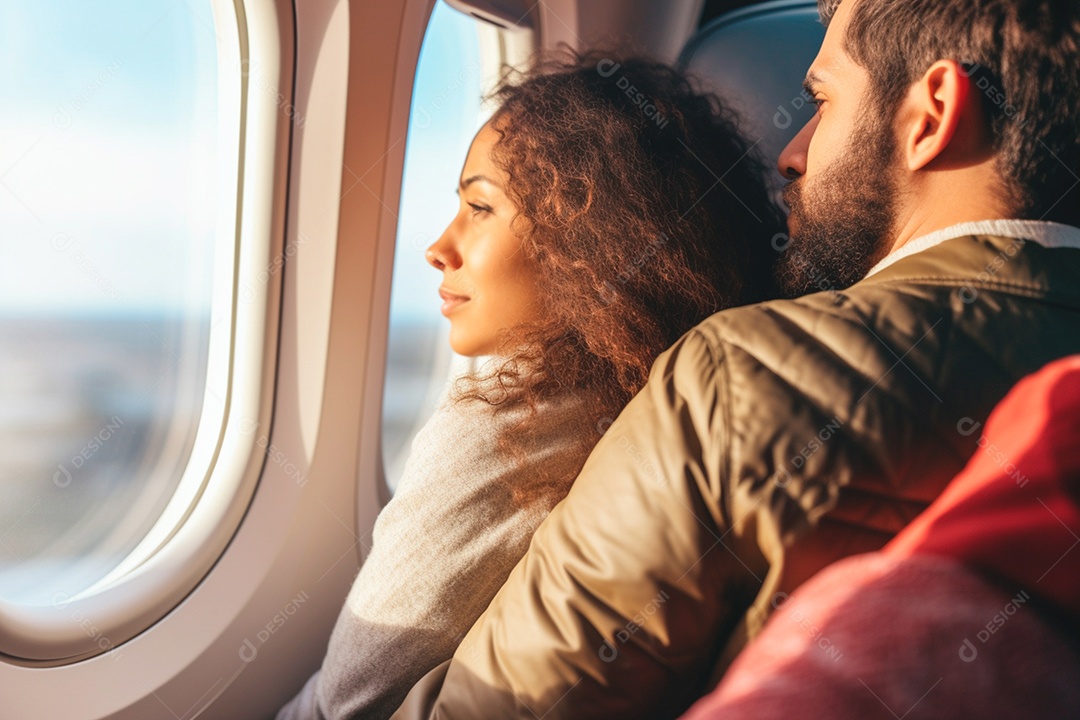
x: 1023, y: 57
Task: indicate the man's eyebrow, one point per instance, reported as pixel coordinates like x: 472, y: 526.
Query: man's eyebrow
x: 811, y: 82
x: 466, y: 182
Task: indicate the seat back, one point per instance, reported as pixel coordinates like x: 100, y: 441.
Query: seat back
x: 755, y: 59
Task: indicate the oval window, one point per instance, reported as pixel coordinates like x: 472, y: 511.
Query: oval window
x: 445, y: 115
x: 110, y: 215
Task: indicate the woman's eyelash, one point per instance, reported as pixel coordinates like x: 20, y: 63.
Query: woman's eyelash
x: 477, y: 208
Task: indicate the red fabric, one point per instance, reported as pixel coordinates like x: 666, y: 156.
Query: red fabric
x: 880, y: 637
x: 1014, y: 511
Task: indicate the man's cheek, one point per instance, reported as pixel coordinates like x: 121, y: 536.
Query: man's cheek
x: 815, y: 159
x: 823, y: 150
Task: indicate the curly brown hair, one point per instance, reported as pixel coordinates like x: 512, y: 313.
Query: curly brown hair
x: 644, y: 210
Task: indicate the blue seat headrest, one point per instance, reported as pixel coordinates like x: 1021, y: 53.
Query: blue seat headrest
x: 755, y: 59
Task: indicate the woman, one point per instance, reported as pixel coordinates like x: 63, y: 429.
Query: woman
x: 594, y: 229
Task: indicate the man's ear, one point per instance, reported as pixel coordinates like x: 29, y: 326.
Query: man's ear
x: 936, y: 105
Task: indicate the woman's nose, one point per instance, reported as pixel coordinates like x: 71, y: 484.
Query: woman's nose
x: 433, y: 258
x: 442, y: 255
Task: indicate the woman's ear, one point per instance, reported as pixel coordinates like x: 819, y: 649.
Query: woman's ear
x: 935, y: 110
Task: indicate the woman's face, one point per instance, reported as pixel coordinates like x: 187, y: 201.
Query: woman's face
x: 488, y: 283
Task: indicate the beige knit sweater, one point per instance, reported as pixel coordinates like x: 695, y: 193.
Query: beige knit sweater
x: 442, y: 548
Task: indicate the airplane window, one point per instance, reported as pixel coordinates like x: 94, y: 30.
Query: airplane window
x: 445, y: 116
x: 110, y: 210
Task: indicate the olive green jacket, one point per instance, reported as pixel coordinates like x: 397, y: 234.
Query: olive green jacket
x: 833, y: 419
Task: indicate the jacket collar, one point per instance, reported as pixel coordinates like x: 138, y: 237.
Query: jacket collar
x: 1047, y: 234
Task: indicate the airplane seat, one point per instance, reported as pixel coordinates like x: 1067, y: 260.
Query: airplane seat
x: 755, y: 60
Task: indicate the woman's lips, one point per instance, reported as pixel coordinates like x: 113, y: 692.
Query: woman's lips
x: 451, y: 300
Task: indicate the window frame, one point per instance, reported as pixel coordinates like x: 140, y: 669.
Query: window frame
x: 224, y: 468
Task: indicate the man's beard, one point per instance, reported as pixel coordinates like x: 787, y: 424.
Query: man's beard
x: 842, y: 222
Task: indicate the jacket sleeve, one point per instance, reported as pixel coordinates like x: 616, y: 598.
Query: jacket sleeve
x: 631, y: 585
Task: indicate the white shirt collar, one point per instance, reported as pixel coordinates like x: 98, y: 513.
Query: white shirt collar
x: 1047, y: 234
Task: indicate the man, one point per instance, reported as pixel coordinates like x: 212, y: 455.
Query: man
x: 938, y: 177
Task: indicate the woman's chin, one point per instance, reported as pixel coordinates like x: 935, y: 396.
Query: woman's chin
x: 462, y: 344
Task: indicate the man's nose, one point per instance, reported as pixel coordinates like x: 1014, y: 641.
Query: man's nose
x: 792, y: 161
